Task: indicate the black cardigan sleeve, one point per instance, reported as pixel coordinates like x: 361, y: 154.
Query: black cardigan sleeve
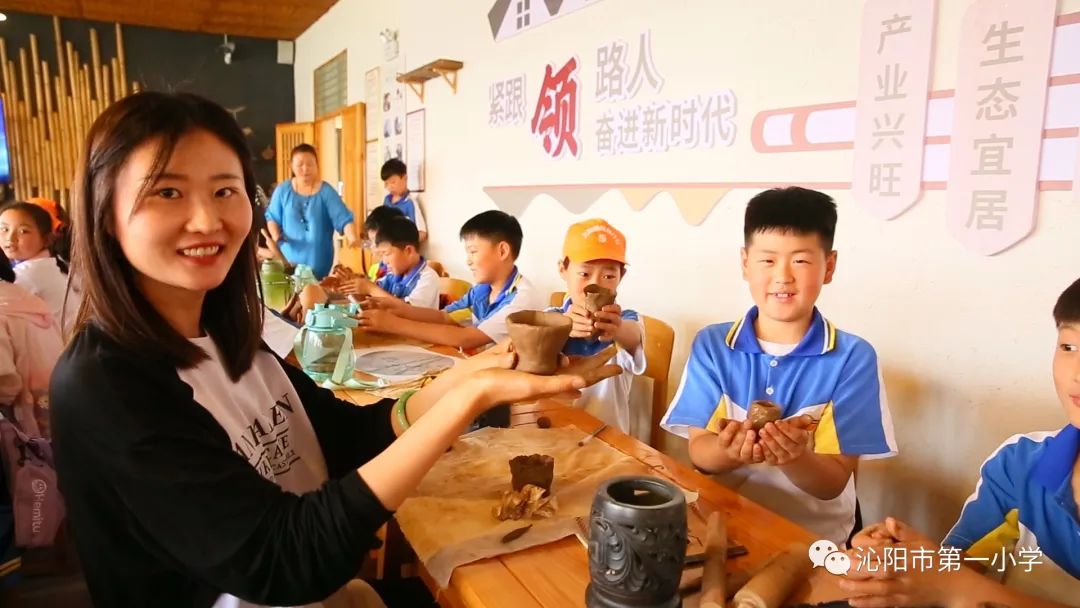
x: 129, y: 435
x: 349, y: 435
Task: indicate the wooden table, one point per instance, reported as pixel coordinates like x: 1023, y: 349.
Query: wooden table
x: 555, y: 575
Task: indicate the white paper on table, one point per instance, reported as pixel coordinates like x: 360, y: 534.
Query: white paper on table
x: 400, y: 363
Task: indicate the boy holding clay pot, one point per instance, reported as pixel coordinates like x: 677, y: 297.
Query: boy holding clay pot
x: 593, y: 264
x: 784, y: 351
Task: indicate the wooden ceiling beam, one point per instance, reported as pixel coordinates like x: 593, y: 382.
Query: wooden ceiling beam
x: 281, y: 19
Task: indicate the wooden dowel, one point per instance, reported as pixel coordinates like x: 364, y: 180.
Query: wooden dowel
x: 714, y: 575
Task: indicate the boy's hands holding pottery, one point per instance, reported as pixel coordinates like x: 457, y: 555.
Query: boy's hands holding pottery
x: 738, y: 442
x: 607, y: 321
x: 784, y: 441
x: 582, y: 320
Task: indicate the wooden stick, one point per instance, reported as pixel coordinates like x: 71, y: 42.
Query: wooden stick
x: 95, y: 56
x: 123, y: 91
x: 714, y: 576
x: 770, y: 587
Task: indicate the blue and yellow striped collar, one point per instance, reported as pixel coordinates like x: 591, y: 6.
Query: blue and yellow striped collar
x: 820, y: 339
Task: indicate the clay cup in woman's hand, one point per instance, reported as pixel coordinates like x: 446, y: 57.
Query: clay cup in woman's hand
x: 501, y: 384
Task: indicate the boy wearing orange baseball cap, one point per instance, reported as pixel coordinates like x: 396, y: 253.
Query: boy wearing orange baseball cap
x: 594, y: 253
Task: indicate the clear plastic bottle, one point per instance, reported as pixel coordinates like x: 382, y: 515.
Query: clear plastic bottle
x: 324, y: 345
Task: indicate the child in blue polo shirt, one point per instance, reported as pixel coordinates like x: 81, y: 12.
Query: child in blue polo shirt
x: 783, y: 350
x: 1022, y: 523
x: 375, y: 220
x: 492, y: 242
x: 408, y: 276
x: 594, y: 253
x: 396, y: 179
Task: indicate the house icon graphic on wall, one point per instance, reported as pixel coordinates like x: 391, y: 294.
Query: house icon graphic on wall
x: 511, y: 17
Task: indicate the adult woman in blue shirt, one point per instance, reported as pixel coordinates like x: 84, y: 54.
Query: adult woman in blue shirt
x: 305, y: 212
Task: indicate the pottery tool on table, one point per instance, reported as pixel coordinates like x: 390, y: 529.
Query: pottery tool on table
x: 592, y: 435
x: 714, y: 576
x: 777, y: 580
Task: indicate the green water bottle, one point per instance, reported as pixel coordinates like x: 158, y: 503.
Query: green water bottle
x: 276, y: 286
x: 324, y: 346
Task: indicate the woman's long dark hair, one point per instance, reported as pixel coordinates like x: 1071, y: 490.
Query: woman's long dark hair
x: 232, y: 312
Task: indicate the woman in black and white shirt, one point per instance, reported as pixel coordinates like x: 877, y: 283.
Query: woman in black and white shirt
x: 198, y: 468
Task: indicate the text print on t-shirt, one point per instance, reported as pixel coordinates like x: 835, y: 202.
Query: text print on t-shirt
x: 265, y: 443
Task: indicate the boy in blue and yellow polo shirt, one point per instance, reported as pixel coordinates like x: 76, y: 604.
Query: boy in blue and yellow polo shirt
x: 1022, y: 522
x: 396, y: 180
x: 783, y: 350
x: 492, y: 242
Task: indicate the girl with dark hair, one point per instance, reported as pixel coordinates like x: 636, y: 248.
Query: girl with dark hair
x: 199, y: 469
x: 305, y: 212
x: 35, y: 241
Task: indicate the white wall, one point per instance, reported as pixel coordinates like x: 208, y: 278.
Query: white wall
x: 966, y: 341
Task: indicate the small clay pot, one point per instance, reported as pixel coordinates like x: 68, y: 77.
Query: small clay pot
x: 538, y: 338
x: 596, y: 298
x: 535, y: 469
x: 763, y: 412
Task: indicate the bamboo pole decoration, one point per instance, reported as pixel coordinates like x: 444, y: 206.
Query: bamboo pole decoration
x: 95, y: 57
x: 123, y: 91
x: 117, y: 82
x: 107, y: 99
x: 35, y: 64
x: 61, y: 69
x: 53, y: 128
x: 49, y: 109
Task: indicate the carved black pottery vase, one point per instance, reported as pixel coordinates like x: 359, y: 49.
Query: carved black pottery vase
x: 637, y: 544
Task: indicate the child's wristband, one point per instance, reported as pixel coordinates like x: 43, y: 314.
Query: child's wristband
x: 399, y: 409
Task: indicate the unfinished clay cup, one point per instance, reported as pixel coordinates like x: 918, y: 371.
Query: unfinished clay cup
x: 538, y: 338
x: 535, y: 469
x: 763, y: 412
x: 596, y: 298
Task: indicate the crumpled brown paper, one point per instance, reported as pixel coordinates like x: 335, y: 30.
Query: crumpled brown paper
x: 448, y: 520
